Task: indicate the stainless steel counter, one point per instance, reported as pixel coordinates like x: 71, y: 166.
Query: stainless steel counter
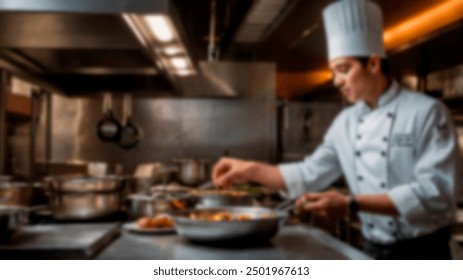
x: 292, y: 242
x: 59, y: 241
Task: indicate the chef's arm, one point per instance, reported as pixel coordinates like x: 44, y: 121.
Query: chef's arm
x: 314, y: 173
x: 336, y: 205
x: 231, y: 171
x: 268, y: 175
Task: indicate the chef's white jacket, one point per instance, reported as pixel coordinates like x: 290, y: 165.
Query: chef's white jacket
x: 406, y: 147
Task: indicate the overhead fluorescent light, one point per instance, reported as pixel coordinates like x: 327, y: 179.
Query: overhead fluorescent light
x: 184, y: 72
x: 160, y: 27
x: 173, y: 50
x: 179, y: 62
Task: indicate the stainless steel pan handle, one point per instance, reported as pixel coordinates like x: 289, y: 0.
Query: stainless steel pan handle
x: 287, y: 205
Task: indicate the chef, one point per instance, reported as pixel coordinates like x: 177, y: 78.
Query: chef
x: 396, y: 148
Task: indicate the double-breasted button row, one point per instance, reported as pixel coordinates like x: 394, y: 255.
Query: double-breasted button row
x: 359, y: 153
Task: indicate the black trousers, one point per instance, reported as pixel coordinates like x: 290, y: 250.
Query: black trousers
x: 434, y: 246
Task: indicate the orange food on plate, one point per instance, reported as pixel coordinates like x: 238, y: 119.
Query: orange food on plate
x: 160, y: 221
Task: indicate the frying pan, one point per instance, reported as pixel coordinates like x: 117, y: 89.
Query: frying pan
x: 263, y: 225
x: 129, y: 135
x: 108, y: 129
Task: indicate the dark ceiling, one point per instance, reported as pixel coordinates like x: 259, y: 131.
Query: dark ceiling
x: 82, y: 52
x: 285, y: 44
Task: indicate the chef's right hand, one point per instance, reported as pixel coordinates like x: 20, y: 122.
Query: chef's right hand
x: 230, y: 171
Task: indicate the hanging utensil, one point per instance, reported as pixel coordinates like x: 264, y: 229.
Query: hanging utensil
x: 108, y: 129
x: 129, y: 134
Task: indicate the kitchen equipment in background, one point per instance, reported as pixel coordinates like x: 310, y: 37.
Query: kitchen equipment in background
x: 192, y: 171
x: 5, y: 178
x: 109, y: 128
x: 101, y: 169
x: 148, y: 174
x: 11, y: 219
x: 22, y: 194
x: 161, y: 199
x: 85, y: 198
x: 97, y: 169
x: 129, y: 136
x: 303, y: 126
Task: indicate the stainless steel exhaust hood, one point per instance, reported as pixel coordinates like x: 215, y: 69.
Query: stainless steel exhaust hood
x: 229, y: 79
x: 79, y: 46
x: 91, y: 46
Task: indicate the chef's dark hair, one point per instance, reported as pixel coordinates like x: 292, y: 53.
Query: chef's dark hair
x: 385, y: 68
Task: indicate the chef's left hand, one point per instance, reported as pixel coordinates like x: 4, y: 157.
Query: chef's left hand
x: 330, y: 204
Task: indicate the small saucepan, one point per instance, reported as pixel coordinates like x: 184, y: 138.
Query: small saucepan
x: 157, y: 202
x: 109, y: 128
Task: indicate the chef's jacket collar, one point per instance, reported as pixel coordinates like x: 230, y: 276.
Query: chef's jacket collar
x: 389, y: 95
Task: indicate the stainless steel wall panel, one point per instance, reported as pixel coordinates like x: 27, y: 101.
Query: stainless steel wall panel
x: 304, y: 126
x: 170, y: 127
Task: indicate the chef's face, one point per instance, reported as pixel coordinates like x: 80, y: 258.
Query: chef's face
x: 352, y: 78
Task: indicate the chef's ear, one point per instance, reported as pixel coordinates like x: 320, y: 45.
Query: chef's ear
x: 374, y: 64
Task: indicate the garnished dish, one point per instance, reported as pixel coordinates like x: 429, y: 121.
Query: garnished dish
x: 160, y: 221
x: 159, y: 224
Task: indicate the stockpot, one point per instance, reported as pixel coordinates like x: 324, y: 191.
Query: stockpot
x: 85, y: 198
x: 192, y: 171
x: 22, y: 193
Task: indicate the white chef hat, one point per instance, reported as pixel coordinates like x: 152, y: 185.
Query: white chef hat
x: 354, y: 28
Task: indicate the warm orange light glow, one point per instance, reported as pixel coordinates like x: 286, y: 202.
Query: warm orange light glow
x: 292, y: 84
x: 424, y: 23
x: 440, y: 15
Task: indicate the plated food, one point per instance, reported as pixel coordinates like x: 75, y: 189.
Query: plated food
x: 160, y: 224
x: 159, y: 221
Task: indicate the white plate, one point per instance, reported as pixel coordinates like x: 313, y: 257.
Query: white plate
x: 133, y: 227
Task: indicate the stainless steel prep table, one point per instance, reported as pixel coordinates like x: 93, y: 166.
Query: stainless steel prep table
x: 292, y: 242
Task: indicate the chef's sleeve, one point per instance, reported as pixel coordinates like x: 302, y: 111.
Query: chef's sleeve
x: 430, y: 197
x: 316, y: 171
